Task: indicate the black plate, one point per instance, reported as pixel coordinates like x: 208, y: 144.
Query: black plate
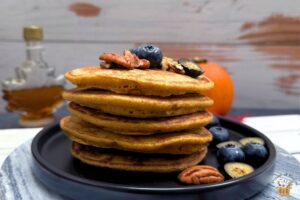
x: 57, y: 169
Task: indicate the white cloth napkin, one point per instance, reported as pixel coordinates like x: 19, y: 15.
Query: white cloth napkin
x: 11, y: 138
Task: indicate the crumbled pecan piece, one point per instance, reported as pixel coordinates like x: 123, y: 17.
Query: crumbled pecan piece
x: 200, y: 174
x: 128, y: 60
x: 168, y: 64
x: 105, y: 65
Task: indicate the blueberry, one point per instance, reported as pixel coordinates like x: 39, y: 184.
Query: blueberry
x: 256, y: 154
x: 214, y: 122
x: 149, y: 52
x: 219, y: 133
x: 230, y: 154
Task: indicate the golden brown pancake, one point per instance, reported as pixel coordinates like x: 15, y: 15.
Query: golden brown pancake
x: 135, y: 126
x: 138, y: 82
x: 186, y: 142
x: 138, y: 106
x: 137, y: 162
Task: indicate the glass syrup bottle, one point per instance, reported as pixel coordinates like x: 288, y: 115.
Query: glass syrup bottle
x: 35, y: 91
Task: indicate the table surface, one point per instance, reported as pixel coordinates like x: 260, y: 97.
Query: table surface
x: 283, y: 130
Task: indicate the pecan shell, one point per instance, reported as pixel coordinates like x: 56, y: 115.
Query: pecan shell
x: 128, y: 60
x: 200, y: 174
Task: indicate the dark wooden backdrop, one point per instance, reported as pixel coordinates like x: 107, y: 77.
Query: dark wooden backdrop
x: 257, y: 41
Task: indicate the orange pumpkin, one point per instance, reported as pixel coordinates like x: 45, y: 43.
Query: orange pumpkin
x: 223, y: 91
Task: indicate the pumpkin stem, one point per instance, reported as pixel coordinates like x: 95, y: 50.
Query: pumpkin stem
x: 199, y: 60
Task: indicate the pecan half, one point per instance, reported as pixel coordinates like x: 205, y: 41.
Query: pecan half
x: 128, y: 60
x: 168, y: 64
x: 200, y: 174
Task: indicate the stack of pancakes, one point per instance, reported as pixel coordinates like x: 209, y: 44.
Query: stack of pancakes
x: 137, y: 120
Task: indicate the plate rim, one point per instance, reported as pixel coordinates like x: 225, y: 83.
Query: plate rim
x: 182, y: 189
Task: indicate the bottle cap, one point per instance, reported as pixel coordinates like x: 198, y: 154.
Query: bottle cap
x: 33, y: 33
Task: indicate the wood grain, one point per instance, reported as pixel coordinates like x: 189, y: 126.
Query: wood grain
x: 85, y: 9
x: 179, y: 21
x: 276, y: 29
x: 258, y: 45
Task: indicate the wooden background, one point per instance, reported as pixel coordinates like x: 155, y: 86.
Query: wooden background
x: 257, y: 41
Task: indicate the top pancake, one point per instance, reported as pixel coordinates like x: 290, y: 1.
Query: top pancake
x: 139, y: 82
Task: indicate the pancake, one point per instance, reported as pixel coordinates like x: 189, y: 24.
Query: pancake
x: 136, y: 162
x: 171, y: 143
x: 138, y: 106
x: 135, y: 126
x: 138, y: 82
